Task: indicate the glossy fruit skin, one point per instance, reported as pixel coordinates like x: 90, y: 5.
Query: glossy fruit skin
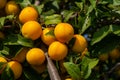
x: 2, y: 59
x: 57, y: 51
x: 16, y: 67
x: 80, y: 43
x: 31, y: 30
x: 46, y: 37
x: 12, y: 8
x: 2, y: 3
x: 64, y: 32
x: 35, y: 56
x: 28, y: 14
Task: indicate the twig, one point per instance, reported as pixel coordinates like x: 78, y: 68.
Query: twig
x: 117, y: 65
x: 110, y: 71
x: 37, y: 2
x: 52, y: 69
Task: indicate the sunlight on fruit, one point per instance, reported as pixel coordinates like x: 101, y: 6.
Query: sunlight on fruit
x: 31, y: 30
x: 35, y: 56
x: 12, y: 8
x: 64, y: 32
x: 28, y: 14
x: 80, y: 43
x: 48, y: 36
x: 2, y: 59
x: 57, y: 51
x: 16, y: 68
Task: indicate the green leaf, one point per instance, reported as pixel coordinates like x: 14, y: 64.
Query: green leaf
x: 40, y: 8
x: 2, y: 20
x: 116, y: 29
x: 73, y: 70
x: 93, y: 2
x: 31, y: 74
x: 80, y: 5
x: 53, y: 19
x: 51, y: 32
x: 24, y: 42
x: 87, y: 65
x: 116, y: 2
x: 99, y: 35
x: 7, y: 74
x: 86, y: 24
x: 67, y: 14
x: 55, y: 3
x: 24, y: 3
x: 2, y: 65
x: 5, y: 51
x: 106, y: 44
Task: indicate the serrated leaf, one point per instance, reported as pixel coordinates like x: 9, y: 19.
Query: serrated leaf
x: 86, y: 24
x: 24, y: 42
x: 73, y: 70
x: 99, y: 35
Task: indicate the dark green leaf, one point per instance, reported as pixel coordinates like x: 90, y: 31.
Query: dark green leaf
x: 87, y: 65
x: 106, y: 44
x: 67, y: 14
x: 86, y: 24
x: 7, y: 74
x: 116, y: 29
x: 80, y: 5
x: 73, y: 70
x: 55, y: 3
x: 11, y: 39
x: 2, y: 64
x: 100, y: 34
x: 5, y: 51
x: 30, y: 74
x: 24, y: 42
